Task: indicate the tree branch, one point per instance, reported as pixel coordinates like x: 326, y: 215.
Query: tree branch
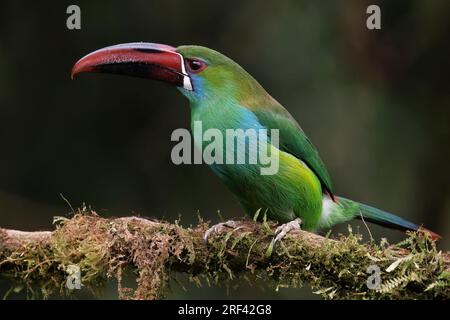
x: 105, y: 248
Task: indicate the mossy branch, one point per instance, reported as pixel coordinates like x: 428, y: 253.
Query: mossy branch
x: 104, y: 248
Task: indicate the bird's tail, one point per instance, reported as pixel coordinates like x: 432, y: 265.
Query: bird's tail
x: 380, y: 217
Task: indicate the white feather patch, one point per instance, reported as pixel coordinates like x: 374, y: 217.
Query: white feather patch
x: 327, y: 208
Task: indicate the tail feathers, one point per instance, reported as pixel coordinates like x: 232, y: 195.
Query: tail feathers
x: 382, y: 218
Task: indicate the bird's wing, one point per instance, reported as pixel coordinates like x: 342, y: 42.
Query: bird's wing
x: 293, y: 140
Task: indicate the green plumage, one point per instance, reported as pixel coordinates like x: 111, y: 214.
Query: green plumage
x: 225, y: 96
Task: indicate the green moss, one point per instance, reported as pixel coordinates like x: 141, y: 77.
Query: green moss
x: 335, y: 269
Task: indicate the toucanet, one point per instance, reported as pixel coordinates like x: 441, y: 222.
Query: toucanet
x: 223, y: 96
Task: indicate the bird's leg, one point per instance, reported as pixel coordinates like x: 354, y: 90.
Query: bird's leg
x: 284, y: 229
x: 218, y: 227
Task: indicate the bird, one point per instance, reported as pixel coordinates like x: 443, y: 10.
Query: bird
x: 223, y: 96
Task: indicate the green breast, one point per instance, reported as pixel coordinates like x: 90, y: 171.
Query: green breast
x: 294, y: 191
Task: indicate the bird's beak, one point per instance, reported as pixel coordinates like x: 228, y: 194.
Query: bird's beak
x: 140, y: 59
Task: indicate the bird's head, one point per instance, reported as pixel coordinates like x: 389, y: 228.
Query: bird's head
x: 200, y: 73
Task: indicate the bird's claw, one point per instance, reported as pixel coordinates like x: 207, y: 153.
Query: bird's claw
x: 284, y: 229
x: 217, y: 228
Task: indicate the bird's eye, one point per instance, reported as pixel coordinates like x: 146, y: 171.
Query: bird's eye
x: 195, y: 65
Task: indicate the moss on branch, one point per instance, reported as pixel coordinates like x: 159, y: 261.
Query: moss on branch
x: 105, y: 248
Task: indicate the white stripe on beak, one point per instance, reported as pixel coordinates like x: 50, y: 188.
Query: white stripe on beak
x: 187, y: 84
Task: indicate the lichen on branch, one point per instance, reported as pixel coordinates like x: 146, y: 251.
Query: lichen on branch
x: 105, y: 248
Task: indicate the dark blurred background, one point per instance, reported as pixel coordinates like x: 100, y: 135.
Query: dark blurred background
x: 375, y: 104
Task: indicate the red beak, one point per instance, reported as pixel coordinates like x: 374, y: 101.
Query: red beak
x: 140, y: 59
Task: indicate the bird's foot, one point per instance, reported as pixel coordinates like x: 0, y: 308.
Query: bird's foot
x: 218, y: 228
x: 284, y: 229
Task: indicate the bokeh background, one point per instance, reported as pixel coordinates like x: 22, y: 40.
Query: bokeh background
x: 375, y: 103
